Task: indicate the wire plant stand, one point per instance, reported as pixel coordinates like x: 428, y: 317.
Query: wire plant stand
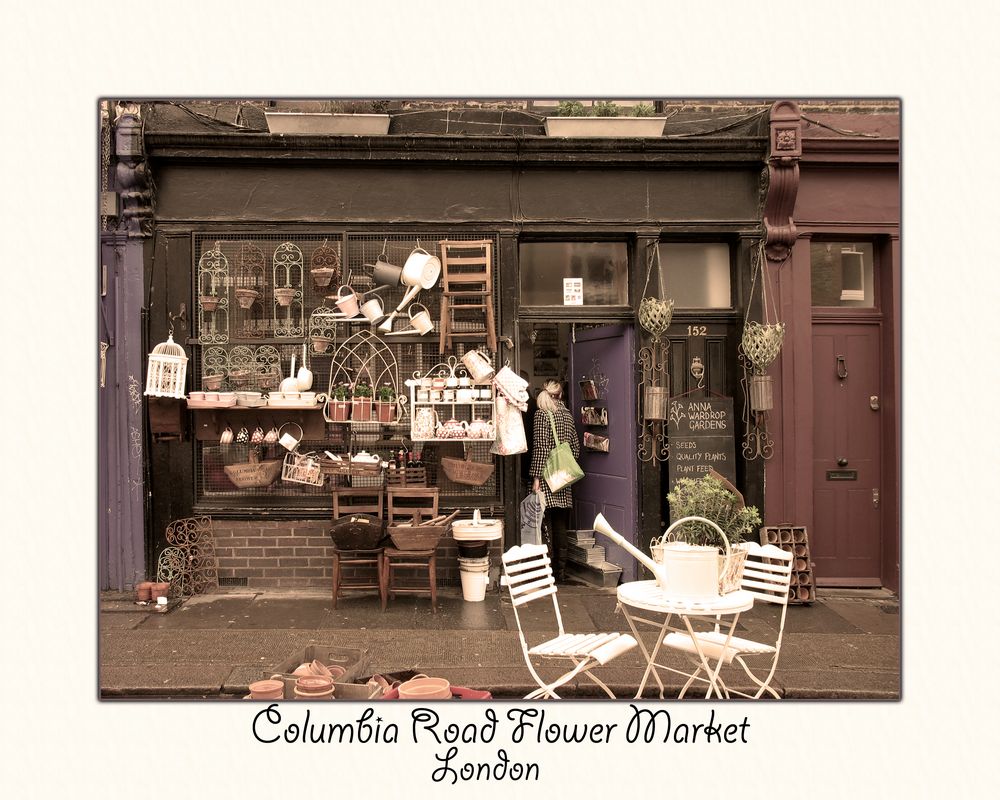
x: 213, y: 296
x: 364, y: 356
x: 287, y: 272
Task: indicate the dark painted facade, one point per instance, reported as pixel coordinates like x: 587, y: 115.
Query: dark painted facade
x: 209, y: 178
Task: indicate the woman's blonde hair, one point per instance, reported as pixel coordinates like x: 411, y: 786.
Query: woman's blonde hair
x: 548, y: 398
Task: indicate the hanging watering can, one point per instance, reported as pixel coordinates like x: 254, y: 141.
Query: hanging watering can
x: 288, y: 440
x: 347, y: 303
x: 421, y: 271
x: 386, y: 274
x: 304, y: 377
x: 479, y: 366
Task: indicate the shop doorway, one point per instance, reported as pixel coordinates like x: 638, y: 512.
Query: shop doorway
x: 602, y: 359
x: 847, y: 454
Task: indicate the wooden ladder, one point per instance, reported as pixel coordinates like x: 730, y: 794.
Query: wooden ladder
x: 467, y: 297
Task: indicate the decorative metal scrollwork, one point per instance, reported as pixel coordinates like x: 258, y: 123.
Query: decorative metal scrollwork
x: 654, y: 388
x: 190, y: 561
x: 213, y: 296
x: 757, y: 442
x: 287, y: 272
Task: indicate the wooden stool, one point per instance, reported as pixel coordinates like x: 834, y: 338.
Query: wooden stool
x: 394, y: 559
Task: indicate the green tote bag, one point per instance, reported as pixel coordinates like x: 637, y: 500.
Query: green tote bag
x: 561, y: 469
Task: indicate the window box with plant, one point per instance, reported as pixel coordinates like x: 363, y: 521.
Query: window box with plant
x: 369, y: 121
x: 362, y: 402
x: 340, y: 403
x: 604, y: 119
x: 386, y: 404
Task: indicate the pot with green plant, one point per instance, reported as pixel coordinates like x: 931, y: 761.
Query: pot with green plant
x: 604, y: 119
x: 340, y: 403
x: 703, y: 551
x: 386, y: 404
x: 362, y: 402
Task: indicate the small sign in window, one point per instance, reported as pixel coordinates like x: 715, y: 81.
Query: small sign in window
x: 572, y: 291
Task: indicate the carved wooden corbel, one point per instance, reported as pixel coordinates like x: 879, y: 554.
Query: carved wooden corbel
x: 783, y: 179
x: 132, y: 173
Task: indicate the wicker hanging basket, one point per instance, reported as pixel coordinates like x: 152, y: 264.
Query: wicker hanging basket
x: 655, y: 315
x: 466, y: 471
x: 762, y: 343
x: 255, y: 474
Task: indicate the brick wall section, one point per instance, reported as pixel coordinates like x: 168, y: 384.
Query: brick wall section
x: 299, y: 554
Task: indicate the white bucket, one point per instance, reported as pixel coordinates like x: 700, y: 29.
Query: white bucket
x: 475, y: 574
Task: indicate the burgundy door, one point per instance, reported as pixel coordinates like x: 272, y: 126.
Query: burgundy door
x: 605, y: 355
x: 845, y: 538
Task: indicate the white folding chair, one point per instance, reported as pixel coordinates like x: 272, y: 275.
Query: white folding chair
x: 528, y: 577
x: 766, y: 576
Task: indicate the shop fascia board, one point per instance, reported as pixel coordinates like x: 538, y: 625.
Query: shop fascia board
x: 738, y: 152
x: 840, y: 151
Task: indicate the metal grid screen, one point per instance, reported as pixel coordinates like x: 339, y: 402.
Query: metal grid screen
x: 248, y: 340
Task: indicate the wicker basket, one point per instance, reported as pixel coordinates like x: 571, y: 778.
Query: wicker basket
x: 466, y: 471
x: 420, y: 537
x: 255, y: 474
x: 357, y: 532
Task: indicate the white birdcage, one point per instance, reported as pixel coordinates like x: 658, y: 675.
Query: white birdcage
x: 167, y: 370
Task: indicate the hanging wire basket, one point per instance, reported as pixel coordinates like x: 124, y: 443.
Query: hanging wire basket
x: 655, y: 315
x: 762, y: 343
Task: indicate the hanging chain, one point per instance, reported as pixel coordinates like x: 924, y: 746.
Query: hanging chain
x: 105, y: 159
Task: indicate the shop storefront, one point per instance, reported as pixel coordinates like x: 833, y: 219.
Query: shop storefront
x: 568, y: 236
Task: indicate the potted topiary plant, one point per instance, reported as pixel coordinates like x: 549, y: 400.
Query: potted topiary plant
x: 386, y: 405
x: 709, y: 498
x: 362, y: 402
x: 604, y: 119
x: 340, y: 405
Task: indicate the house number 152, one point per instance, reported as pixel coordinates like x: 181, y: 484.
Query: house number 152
x: 697, y: 330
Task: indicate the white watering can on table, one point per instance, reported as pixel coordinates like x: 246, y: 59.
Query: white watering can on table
x: 689, y: 571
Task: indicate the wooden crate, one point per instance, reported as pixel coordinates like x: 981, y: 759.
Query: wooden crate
x: 794, y: 539
x: 407, y: 476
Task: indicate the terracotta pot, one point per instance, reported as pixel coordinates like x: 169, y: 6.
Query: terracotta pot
x: 362, y: 411
x: 340, y: 410
x: 144, y: 591
x: 267, y: 690
x: 284, y: 295
x: 424, y: 688
x: 321, y: 343
x: 322, y: 276
x: 336, y: 671
x: 159, y: 590
x: 314, y: 688
x: 212, y: 382
x: 385, y: 411
x: 210, y: 302
x: 246, y: 297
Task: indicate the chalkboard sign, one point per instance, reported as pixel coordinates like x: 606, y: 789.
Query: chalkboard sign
x: 702, y: 436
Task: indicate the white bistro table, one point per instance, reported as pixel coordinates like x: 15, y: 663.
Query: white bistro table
x: 639, y: 598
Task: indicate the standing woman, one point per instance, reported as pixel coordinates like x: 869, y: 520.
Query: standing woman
x: 557, y: 504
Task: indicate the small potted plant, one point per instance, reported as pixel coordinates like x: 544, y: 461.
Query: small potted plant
x: 710, y: 498
x: 604, y: 119
x: 386, y: 405
x: 362, y: 402
x: 340, y: 405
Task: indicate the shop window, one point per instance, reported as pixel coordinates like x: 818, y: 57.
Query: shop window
x: 843, y: 274
x: 246, y: 339
x: 573, y: 273
x: 696, y: 275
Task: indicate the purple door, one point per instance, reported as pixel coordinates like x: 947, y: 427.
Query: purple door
x: 605, y: 356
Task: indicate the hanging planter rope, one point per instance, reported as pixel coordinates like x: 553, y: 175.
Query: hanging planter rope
x: 762, y: 340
